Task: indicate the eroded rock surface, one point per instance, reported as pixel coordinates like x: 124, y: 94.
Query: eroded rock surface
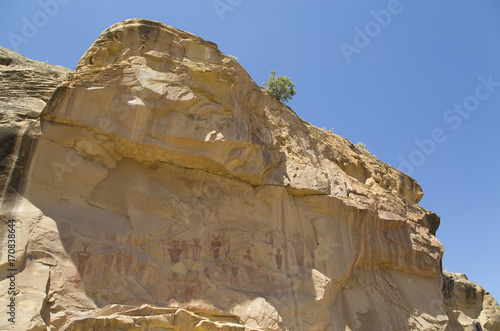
x: 167, y: 189
x: 146, y: 317
x: 470, y: 302
x: 25, y: 87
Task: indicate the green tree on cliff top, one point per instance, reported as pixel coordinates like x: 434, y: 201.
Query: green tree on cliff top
x: 280, y: 87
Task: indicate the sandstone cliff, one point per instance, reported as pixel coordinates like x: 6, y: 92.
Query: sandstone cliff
x: 166, y: 189
x: 470, y: 302
x: 25, y: 88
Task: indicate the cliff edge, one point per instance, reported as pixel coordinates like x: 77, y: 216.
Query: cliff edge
x: 161, y: 187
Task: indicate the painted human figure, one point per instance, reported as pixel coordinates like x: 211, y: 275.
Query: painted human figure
x: 119, y: 256
x: 150, y: 279
x: 196, y: 247
x: 298, y: 247
x: 271, y: 238
x: 65, y: 226
x: 141, y: 260
x: 207, y: 273
x: 83, y: 257
x: 234, y: 276
x: 227, y: 249
x: 103, y: 267
x: 185, y: 248
x: 175, y: 252
x: 251, y: 273
x: 215, y: 245
x: 178, y: 268
x: 67, y: 241
x: 248, y: 256
x: 225, y: 274
x: 279, y: 259
x: 127, y: 262
x: 250, y: 269
x: 188, y: 293
x: 311, y: 247
x: 194, y: 285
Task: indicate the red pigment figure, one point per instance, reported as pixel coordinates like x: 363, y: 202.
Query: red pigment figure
x: 196, y: 247
x: 175, y: 252
x: 119, y: 262
x: 279, y: 259
x: 298, y: 247
x: 234, y: 276
x: 185, y: 249
x: 83, y: 257
x: 216, y: 244
x: 249, y: 268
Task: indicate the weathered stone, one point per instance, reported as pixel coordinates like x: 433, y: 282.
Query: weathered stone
x: 168, y: 190
x: 25, y: 87
x: 146, y: 317
x: 469, y: 302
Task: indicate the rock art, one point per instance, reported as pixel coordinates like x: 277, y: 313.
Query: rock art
x: 161, y: 187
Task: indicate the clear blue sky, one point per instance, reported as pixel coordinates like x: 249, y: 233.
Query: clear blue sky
x: 386, y: 73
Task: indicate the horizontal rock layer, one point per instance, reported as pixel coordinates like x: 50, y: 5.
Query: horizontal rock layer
x: 167, y: 189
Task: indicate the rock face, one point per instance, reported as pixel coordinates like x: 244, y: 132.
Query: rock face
x: 25, y: 88
x: 167, y: 190
x: 470, y: 302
